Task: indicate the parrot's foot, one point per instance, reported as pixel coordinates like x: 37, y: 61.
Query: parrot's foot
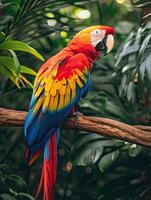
x: 77, y: 115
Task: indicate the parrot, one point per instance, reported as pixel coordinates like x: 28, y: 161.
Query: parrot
x: 58, y: 87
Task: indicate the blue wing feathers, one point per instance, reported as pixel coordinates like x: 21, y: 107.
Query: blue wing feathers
x: 40, y: 126
x: 46, y: 150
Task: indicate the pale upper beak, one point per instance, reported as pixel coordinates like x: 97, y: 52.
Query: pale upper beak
x: 109, y: 42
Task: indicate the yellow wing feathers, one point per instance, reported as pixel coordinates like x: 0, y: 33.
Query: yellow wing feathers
x: 55, y: 94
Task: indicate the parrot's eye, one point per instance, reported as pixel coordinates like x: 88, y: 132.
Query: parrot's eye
x: 96, y: 32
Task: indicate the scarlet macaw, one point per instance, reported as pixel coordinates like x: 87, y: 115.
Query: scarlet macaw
x: 60, y: 83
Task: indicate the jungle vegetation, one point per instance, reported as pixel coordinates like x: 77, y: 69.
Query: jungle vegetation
x: 90, y: 166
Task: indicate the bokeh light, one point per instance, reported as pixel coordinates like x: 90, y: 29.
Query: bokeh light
x: 82, y: 14
x: 120, y: 1
x: 51, y: 22
x: 50, y: 15
x: 63, y: 34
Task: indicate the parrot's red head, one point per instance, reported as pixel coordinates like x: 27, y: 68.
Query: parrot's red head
x: 100, y: 37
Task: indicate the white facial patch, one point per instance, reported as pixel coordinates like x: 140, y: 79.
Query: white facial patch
x: 97, y: 36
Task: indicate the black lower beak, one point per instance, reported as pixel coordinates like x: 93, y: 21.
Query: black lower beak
x: 101, y: 46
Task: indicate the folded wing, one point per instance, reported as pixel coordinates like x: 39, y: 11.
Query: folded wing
x: 56, y: 90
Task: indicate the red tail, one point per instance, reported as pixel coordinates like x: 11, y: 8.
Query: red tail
x: 48, y: 174
x: 34, y: 157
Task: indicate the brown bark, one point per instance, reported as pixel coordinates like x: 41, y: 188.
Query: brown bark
x: 102, y: 126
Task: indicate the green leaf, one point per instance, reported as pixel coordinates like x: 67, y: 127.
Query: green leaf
x: 147, y: 16
x: 142, y: 70
x: 116, y: 110
x: 134, y: 150
x: 146, y: 4
x: 94, y: 140
x: 130, y: 50
x: 130, y: 91
x: 148, y: 66
x: 84, y: 139
x: 145, y: 43
x: 21, y: 80
x: 26, y: 195
x: 13, y: 192
x: 107, y: 160
x: 127, y: 67
x: 9, y: 75
x: 123, y: 85
x: 24, y: 82
x: 2, y: 6
x: 16, y: 62
x: 7, y: 197
x: 27, y: 70
x: 2, y: 36
x: 138, y: 36
x: 18, y: 179
x: 20, y: 46
x: 119, y: 54
x: 88, y: 155
x: 9, y: 63
x: 90, y: 105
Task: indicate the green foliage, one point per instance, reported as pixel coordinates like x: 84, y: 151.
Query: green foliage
x: 134, y: 65
x: 14, y: 181
x: 9, y: 62
x: 88, y: 149
x: 108, y: 159
x: 19, y: 46
x: 89, y: 166
x: 11, y: 67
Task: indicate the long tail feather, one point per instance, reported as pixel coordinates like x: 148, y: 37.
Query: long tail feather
x: 31, y: 159
x: 48, y: 174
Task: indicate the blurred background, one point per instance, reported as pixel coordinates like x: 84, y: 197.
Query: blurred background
x: 89, y: 166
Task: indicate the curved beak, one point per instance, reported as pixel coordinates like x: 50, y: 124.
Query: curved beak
x: 105, y: 45
x: 109, y: 43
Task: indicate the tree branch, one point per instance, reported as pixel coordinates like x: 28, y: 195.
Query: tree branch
x: 102, y: 126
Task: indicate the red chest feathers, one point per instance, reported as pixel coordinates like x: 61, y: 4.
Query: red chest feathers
x: 68, y: 66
